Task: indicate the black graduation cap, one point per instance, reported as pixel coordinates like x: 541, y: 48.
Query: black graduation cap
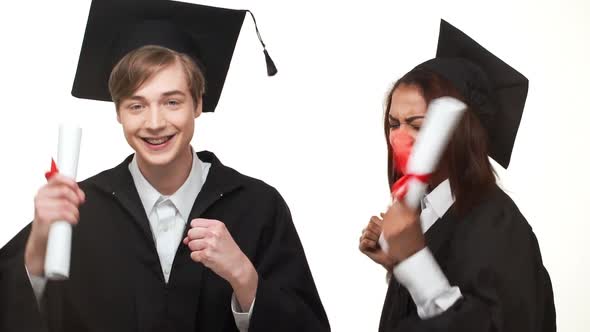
x: 496, y: 91
x: 116, y: 27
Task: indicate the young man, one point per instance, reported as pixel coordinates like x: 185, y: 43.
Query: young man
x: 168, y: 240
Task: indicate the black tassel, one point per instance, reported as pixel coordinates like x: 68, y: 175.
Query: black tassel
x: 271, y: 69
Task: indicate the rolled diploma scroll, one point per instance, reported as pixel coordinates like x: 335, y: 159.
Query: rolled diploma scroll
x: 59, y: 241
x: 442, y: 117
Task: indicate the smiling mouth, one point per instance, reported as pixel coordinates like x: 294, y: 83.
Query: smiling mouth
x: 158, y: 140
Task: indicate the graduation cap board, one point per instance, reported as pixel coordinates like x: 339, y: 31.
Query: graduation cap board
x: 496, y: 91
x: 116, y: 27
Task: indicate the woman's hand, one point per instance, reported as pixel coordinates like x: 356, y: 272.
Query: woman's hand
x: 402, y: 232
x: 369, y: 245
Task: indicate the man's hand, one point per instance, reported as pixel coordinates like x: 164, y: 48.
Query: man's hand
x: 212, y: 245
x: 58, y: 200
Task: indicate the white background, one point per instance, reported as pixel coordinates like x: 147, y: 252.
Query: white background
x: 314, y: 131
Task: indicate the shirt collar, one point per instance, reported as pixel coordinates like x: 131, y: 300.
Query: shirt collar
x: 147, y: 193
x: 440, y: 198
x: 183, y: 199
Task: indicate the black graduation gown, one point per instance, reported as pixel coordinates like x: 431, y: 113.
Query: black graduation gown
x: 492, y: 254
x: 116, y: 282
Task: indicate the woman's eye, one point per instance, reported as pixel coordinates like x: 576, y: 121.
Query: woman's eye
x: 415, y: 123
x: 393, y: 125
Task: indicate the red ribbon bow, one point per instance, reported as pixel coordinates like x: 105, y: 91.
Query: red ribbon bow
x: 53, y: 171
x: 400, y: 188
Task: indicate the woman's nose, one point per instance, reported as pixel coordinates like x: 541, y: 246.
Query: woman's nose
x: 402, y: 135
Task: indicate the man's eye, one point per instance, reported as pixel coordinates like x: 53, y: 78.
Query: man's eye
x: 173, y: 102
x: 135, y: 107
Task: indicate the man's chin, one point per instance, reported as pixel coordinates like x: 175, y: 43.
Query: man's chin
x: 151, y: 159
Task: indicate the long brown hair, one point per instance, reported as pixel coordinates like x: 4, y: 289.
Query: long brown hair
x: 466, y: 158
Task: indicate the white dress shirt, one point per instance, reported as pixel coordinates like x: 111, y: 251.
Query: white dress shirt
x: 167, y: 217
x: 420, y: 273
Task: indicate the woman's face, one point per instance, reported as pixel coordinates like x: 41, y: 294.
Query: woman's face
x: 405, y: 117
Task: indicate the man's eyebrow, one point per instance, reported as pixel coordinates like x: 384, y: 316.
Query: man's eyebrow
x: 136, y: 97
x: 173, y: 92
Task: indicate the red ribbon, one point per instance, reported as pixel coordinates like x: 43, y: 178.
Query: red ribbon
x: 53, y: 171
x: 400, y: 188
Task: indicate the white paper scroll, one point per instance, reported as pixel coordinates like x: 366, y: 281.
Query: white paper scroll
x: 442, y: 117
x: 59, y: 242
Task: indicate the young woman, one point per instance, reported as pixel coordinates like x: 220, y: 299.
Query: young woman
x: 468, y: 261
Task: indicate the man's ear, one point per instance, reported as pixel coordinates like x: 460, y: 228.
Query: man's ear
x: 199, y: 108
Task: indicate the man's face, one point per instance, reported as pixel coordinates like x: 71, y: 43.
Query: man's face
x: 158, y: 119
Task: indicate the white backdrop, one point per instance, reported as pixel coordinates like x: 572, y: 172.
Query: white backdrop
x: 314, y: 130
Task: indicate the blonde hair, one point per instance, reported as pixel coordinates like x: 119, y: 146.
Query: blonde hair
x: 139, y: 65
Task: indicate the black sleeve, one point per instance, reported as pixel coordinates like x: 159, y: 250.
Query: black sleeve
x: 286, y: 298
x: 18, y: 307
x: 496, y: 263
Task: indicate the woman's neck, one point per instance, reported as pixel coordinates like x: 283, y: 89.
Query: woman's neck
x: 437, y: 178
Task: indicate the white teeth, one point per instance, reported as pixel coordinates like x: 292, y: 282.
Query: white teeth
x: 157, y: 141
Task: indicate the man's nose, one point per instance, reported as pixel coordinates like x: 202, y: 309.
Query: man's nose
x: 156, y: 118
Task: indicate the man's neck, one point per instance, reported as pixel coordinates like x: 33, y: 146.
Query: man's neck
x: 167, y: 179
